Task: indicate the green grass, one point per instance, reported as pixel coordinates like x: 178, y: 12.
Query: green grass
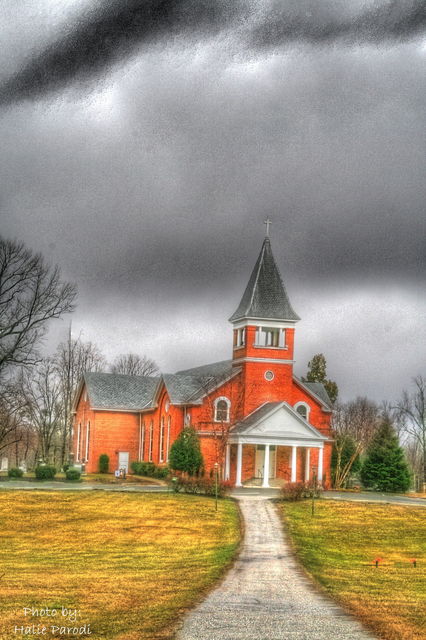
x: 130, y: 563
x: 338, y: 547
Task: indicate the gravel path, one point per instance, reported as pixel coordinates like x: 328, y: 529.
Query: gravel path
x: 265, y: 596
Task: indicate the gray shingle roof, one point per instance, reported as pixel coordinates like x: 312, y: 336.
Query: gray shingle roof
x: 254, y: 417
x: 190, y: 385
x: 117, y: 391
x: 319, y: 390
x: 265, y: 295
x: 182, y: 389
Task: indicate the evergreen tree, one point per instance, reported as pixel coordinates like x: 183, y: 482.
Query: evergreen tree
x: 317, y: 372
x: 385, y: 467
x: 185, y: 454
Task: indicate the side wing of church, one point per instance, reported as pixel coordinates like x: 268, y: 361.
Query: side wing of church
x: 253, y: 416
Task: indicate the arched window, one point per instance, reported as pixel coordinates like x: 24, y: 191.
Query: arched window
x: 302, y: 409
x: 221, y: 409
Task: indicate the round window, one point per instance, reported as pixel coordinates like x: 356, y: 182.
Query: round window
x: 269, y: 375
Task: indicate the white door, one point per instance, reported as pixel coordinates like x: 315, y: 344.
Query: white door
x: 123, y: 460
x: 260, y: 461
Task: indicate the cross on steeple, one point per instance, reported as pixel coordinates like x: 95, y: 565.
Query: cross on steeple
x: 267, y: 222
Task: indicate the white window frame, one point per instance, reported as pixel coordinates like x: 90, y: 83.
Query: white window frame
x: 169, y: 423
x: 306, y: 406
x: 78, y: 442
x: 161, y: 442
x: 141, y: 440
x: 151, y: 438
x: 228, y: 405
x: 264, y: 337
x: 86, y: 457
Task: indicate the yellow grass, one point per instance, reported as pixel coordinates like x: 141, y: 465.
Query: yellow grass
x: 338, y: 547
x: 130, y: 563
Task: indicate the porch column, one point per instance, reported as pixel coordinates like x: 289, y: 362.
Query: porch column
x: 227, y: 461
x: 307, y: 464
x: 265, y: 482
x: 238, y: 482
x: 320, y: 464
x: 293, y: 464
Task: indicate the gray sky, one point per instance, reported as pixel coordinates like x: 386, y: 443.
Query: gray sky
x: 142, y: 148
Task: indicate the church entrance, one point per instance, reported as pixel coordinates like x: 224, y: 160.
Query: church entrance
x: 260, y: 461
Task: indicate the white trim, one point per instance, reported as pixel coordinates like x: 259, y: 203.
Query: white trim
x: 169, y: 422
x: 161, y: 441
x: 280, y: 442
x: 307, y: 463
x: 264, y: 322
x: 228, y: 409
x: 151, y: 439
x: 320, y: 464
x: 269, y: 360
x: 294, y: 463
x: 238, y: 482
x: 265, y: 482
x: 86, y: 457
x: 228, y: 462
x: 77, y: 456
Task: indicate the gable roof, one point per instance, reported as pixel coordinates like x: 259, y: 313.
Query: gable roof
x: 120, y: 392
x: 278, y: 419
x: 265, y: 296
x: 189, y: 386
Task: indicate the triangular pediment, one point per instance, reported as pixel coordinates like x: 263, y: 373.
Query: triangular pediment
x: 277, y: 420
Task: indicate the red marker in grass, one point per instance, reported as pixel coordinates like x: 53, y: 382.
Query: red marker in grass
x: 376, y: 562
x: 413, y: 562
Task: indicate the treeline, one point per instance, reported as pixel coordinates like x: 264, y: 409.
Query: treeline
x: 36, y: 392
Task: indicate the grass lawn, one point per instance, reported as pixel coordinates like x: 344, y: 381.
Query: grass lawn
x: 130, y: 563
x: 338, y: 547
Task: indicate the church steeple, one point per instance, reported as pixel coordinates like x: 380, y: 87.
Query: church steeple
x: 265, y: 297
x: 263, y: 325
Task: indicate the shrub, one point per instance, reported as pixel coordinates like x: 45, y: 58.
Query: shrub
x: 45, y: 472
x: 73, y: 474
x: 199, y: 485
x: 149, y: 469
x: 65, y: 467
x: 15, y: 472
x: 103, y: 463
x: 294, y: 491
x: 161, y: 472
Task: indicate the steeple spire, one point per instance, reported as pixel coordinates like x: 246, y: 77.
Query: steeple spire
x: 265, y: 297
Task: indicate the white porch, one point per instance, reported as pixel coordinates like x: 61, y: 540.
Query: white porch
x: 266, y: 433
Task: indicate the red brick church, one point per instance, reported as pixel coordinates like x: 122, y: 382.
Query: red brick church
x: 254, y: 417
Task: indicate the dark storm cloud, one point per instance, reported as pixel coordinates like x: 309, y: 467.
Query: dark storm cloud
x: 319, y: 23
x: 113, y: 30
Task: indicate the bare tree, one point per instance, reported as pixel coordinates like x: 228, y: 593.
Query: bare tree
x: 357, y: 420
x: 411, y: 411
x: 31, y: 293
x: 40, y: 391
x: 10, y: 418
x: 132, y: 364
x: 72, y: 359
